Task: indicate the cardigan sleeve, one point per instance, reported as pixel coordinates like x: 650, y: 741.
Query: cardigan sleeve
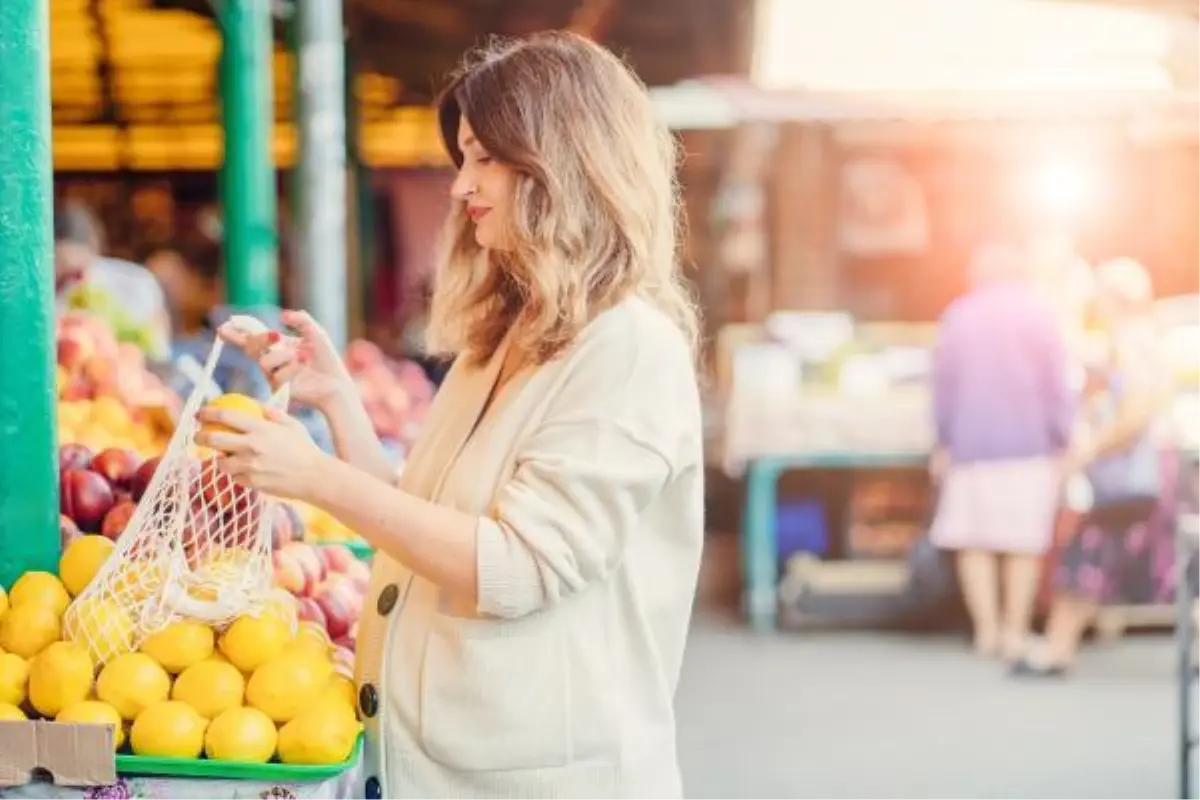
x: 602, y: 454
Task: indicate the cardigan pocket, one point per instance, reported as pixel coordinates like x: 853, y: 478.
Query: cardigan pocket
x: 494, y: 695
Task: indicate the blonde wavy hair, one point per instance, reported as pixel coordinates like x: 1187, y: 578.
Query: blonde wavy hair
x: 595, y: 218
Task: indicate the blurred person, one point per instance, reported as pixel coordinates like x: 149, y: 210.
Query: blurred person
x: 1003, y: 414
x: 126, y: 287
x: 1122, y: 549
x: 535, y: 568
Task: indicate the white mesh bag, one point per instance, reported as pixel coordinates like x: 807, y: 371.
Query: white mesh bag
x: 198, y: 547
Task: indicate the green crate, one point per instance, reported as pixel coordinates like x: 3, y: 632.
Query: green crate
x: 272, y: 772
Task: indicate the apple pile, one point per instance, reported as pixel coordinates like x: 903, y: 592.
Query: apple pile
x: 395, y: 393
x: 92, y: 363
x: 98, y: 492
x: 330, y: 585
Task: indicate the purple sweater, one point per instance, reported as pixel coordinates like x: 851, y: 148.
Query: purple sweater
x: 1000, y: 377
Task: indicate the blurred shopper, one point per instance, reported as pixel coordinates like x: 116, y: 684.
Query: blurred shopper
x: 125, y: 294
x: 1003, y: 415
x: 1122, y: 549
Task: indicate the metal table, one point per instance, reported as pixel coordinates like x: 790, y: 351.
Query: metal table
x: 760, y: 554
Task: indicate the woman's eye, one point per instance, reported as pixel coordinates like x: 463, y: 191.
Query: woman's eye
x: 483, y: 160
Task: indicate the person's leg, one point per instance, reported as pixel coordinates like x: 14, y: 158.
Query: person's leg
x: 1021, y: 574
x: 1070, y: 617
x: 977, y: 576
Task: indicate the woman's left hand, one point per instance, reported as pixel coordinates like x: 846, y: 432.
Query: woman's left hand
x: 275, y: 455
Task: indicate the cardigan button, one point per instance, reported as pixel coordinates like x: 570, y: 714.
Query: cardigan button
x: 387, y: 599
x: 368, y: 700
x: 373, y: 791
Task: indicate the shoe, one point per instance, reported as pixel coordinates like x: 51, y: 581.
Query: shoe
x: 1024, y: 668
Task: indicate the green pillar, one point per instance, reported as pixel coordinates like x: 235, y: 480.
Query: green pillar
x: 248, y: 172
x: 28, y: 436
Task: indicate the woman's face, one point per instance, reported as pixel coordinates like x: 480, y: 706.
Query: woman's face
x: 486, y: 186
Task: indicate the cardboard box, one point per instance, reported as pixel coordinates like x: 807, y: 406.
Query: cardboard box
x: 65, y: 753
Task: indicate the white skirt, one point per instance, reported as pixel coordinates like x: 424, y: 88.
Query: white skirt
x: 1001, y: 506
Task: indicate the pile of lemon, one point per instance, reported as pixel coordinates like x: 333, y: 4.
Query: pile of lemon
x: 251, y: 693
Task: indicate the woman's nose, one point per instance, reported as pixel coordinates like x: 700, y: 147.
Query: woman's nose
x: 462, y: 185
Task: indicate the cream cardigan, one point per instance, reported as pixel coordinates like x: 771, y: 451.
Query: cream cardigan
x: 587, y: 476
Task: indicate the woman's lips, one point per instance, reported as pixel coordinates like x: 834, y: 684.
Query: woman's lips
x: 477, y: 214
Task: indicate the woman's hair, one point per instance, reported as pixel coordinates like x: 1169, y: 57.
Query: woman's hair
x: 595, y: 213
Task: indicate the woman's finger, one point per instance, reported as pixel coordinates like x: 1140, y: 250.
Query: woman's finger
x: 233, y: 420
x: 276, y: 359
x: 236, y: 467
x: 311, y: 333
x: 223, y: 442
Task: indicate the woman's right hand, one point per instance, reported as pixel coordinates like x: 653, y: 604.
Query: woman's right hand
x: 309, y: 362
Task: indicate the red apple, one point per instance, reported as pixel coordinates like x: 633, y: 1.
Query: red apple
x: 338, y: 557
x: 339, y: 611
x: 118, y: 465
x: 74, y: 456
x: 68, y: 531
x: 288, y: 573
x: 343, y: 660
x: 75, y: 347
x: 85, y: 497
x: 220, y: 491
x: 359, y: 573
x: 117, y: 519
x: 282, y: 530
x: 310, y: 611
x: 143, y: 476
x: 309, y: 558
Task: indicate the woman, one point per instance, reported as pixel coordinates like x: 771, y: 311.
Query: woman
x: 1003, y: 416
x: 1123, y: 545
x: 535, y: 569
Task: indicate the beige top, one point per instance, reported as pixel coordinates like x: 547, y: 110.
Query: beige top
x: 587, y: 474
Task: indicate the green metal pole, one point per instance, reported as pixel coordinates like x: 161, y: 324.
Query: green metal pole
x: 248, y: 171
x: 29, y: 537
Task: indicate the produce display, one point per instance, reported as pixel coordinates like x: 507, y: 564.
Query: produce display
x: 395, y: 393
x: 265, y: 688
x: 99, y: 493
x: 106, y: 395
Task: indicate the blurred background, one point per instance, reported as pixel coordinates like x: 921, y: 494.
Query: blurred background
x: 845, y: 163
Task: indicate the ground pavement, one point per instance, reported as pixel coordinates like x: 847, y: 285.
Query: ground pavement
x: 878, y: 715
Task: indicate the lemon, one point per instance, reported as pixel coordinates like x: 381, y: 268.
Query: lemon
x: 252, y: 641
x: 3, y: 601
x: 60, y: 676
x: 239, y: 403
x: 340, y: 689
x: 168, y: 729
x: 14, y: 678
x: 94, y: 712
x: 8, y: 711
x: 28, y: 629
x: 82, y: 560
x: 102, y: 625
x: 241, y: 734
x: 211, y: 687
x: 132, y: 682
x: 323, y: 733
x: 138, y: 578
x: 180, y: 645
x: 41, y: 589
x: 284, y: 685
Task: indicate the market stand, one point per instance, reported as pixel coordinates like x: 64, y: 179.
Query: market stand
x: 780, y: 407
x: 38, y: 753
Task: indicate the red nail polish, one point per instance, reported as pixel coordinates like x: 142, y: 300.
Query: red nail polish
x: 273, y: 337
